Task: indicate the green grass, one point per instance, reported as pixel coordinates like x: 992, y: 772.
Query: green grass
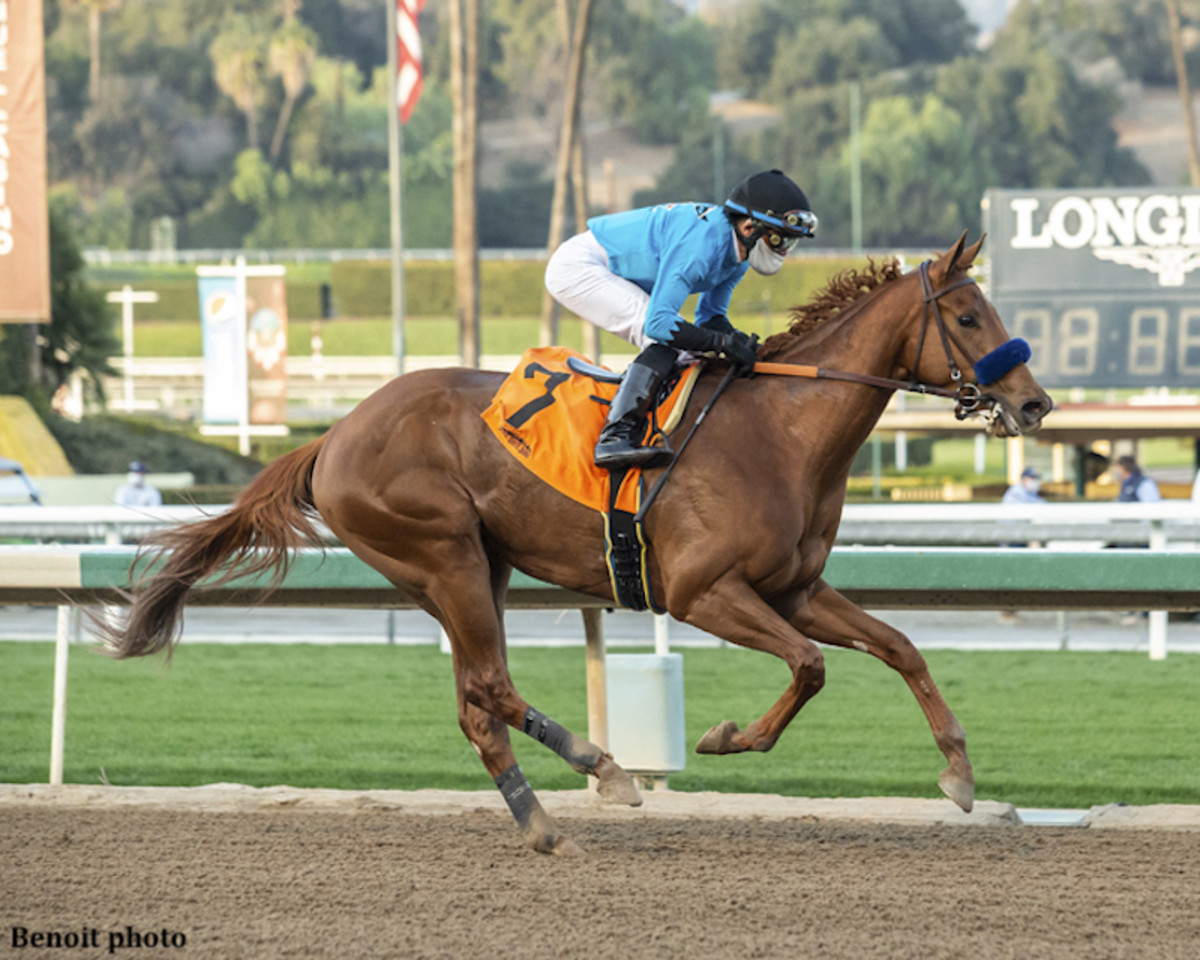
x: 1044, y: 729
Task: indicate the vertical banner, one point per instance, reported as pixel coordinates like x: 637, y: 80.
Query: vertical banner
x: 24, y: 221
x: 221, y: 317
x: 266, y: 342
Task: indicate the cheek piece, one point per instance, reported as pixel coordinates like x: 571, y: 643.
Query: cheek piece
x: 1000, y: 361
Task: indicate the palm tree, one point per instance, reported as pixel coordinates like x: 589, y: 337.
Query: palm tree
x: 1185, y: 93
x: 569, y: 146
x: 95, y: 10
x: 237, y: 56
x: 291, y: 56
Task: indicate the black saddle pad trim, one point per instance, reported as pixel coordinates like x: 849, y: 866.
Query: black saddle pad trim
x: 626, y: 551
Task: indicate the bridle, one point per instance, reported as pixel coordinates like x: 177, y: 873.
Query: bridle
x: 968, y: 397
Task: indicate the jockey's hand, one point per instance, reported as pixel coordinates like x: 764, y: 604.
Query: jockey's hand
x: 718, y: 323
x: 739, y: 348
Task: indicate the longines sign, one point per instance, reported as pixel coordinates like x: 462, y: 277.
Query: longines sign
x: 1104, y: 284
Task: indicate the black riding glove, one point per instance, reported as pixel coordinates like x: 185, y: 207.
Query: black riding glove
x: 718, y: 323
x: 736, y: 345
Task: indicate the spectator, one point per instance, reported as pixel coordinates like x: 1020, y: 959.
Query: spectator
x: 1027, y: 490
x: 1024, y: 491
x: 1136, y: 487
x: 135, y: 491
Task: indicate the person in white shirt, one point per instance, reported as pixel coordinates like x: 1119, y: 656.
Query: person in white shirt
x: 1027, y: 490
x: 135, y: 491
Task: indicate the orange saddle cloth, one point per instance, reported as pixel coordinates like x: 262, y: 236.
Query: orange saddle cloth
x: 548, y: 417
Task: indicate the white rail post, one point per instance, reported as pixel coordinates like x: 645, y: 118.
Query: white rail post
x: 68, y: 629
x: 597, y: 682
x: 662, y: 634
x: 1158, y: 618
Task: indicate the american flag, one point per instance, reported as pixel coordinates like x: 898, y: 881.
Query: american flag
x: 409, y: 77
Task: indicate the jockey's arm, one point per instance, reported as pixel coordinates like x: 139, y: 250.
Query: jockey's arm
x: 678, y: 275
x: 715, y: 302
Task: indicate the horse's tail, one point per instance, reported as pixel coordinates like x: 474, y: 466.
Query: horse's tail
x: 273, y: 517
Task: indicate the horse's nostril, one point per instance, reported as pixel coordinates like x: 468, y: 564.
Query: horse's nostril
x: 1034, y: 410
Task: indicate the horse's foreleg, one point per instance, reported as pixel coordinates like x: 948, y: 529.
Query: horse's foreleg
x: 733, y: 611
x: 830, y: 618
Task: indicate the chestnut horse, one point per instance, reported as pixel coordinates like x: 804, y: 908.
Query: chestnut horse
x: 414, y: 483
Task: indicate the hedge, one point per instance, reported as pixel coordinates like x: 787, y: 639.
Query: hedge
x: 180, y: 299
x: 508, y: 288
x: 106, y: 444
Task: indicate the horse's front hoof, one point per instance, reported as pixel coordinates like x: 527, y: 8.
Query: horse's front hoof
x: 556, y: 845
x: 614, y: 785
x: 721, y: 739
x: 959, y: 788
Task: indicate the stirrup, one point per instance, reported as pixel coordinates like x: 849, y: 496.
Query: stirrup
x: 633, y: 456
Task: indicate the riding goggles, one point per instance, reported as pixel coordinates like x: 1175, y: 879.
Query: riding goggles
x: 789, y: 227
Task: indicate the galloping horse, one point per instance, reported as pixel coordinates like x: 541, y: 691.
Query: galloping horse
x: 414, y: 483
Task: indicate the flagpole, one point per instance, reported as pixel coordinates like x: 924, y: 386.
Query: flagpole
x: 395, y: 153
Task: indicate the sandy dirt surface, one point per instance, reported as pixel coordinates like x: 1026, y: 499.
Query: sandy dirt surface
x: 229, y: 872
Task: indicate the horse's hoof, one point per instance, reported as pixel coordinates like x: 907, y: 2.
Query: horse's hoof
x: 556, y: 845
x: 958, y: 788
x: 720, y: 739
x: 616, y: 786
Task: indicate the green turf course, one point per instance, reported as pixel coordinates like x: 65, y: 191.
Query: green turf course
x: 1044, y: 729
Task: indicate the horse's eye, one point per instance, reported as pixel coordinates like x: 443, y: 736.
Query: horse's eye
x: 966, y: 320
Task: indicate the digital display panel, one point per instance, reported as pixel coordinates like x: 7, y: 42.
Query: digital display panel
x: 1104, y: 284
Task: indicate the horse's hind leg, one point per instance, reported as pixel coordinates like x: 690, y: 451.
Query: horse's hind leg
x: 830, y: 618
x: 467, y: 598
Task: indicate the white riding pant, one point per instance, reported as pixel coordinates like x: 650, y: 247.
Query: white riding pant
x: 578, y: 276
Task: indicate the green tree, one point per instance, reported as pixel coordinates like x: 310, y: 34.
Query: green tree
x: 79, y: 336
x: 1034, y: 122
x: 828, y: 51
x: 921, y: 186
x: 291, y: 55
x: 662, y: 82
x: 237, y: 55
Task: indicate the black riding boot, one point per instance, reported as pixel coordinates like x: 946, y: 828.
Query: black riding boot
x: 617, y: 447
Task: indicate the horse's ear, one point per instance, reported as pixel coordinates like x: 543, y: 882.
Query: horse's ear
x: 952, y: 259
x: 967, y: 257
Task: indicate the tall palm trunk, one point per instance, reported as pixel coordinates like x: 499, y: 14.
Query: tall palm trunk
x: 285, y: 116
x: 94, y: 52
x: 464, y: 87
x: 566, y: 142
x: 1185, y: 93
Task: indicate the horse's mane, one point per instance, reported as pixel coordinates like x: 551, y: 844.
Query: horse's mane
x: 846, y: 287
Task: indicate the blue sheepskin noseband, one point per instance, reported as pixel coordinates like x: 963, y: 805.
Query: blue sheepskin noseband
x: 996, y: 364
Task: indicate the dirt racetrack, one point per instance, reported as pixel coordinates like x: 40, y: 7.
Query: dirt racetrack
x: 286, y: 878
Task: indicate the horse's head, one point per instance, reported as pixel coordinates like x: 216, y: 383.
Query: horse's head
x: 962, y: 343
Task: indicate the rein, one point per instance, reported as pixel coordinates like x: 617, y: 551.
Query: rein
x: 969, y: 398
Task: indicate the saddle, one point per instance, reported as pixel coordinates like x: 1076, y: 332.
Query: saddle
x: 548, y: 414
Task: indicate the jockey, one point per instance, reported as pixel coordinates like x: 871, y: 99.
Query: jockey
x: 631, y: 272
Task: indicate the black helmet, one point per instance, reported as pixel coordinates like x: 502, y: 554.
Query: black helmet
x: 774, y: 202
